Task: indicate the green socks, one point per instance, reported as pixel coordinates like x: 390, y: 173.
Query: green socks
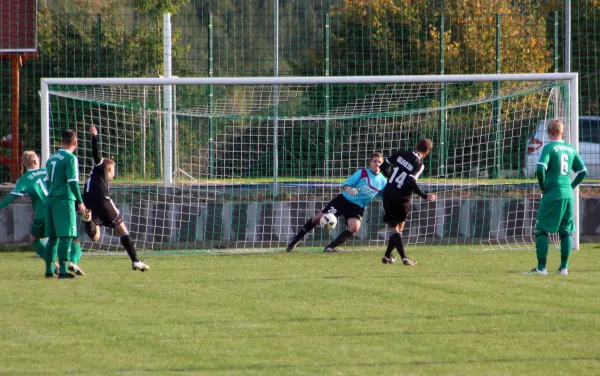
x: 566, y: 245
x: 541, y: 250
x: 40, y: 247
x: 76, y: 252
x: 64, y: 247
x: 50, y: 255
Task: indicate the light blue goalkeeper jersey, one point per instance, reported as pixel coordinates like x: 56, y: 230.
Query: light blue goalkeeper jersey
x: 367, y: 184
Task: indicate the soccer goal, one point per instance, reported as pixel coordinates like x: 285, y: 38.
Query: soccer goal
x: 241, y: 163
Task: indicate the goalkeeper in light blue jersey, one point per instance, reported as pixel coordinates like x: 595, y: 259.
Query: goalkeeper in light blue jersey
x: 358, y: 191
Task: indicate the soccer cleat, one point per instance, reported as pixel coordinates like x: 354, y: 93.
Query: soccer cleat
x: 388, y: 260
x: 290, y: 247
x: 66, y: 276
x: 75, y: 269
x: 329, y: 250
x: 409, y: 262
x: 56, y: 268
x: 562, y: 271
x: 87, y: 217
x: 138, y: 265
x: 536, y: 271
x: 52, y: 275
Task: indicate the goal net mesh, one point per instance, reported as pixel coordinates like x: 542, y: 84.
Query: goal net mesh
x: 250, y: 164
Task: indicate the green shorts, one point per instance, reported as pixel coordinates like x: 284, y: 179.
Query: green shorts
x: 555, y: 216
x: 38, y: 228
x: 61, y: 219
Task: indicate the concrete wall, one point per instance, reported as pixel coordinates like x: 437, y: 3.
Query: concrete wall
x: 272, y: 224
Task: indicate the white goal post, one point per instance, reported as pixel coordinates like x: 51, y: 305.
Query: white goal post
x: 279, y: 90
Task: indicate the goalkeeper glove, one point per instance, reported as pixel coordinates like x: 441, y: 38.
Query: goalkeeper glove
x: 352, y: 191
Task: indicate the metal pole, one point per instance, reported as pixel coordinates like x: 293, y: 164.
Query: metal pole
x: 276, y: 99
x: 574, y: 141
x: 168, y: 100
x: 496, y: 108
x: 16, y: 63
x: 327, y: 103
x: 98, y: 43
x: 144, y: 106
x: 568, y: 36
x: 45, y: 122
x: 443, y: 102
x: 556, y: 42
x: 211, y: 121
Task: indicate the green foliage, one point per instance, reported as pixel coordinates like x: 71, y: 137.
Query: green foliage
x: 379, y: 37
x: 158, y: 7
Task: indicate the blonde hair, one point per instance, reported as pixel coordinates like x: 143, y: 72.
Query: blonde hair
x: 556, y: 127
x: 29, y: 158
x: 376, y: 155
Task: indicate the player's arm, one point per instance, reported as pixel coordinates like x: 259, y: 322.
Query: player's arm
x: 411, y: 181
x: 580, y: 171
x: 17, y: 192
x: 542, y: 166
x: 388, y: 164
x: 349, y: 184
x: 73, y: 180
x: 9, y: 199
x: 95, y: 149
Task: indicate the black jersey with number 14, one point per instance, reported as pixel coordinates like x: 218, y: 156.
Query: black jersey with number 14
x: 405, y: 169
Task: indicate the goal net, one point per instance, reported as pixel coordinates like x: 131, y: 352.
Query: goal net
x: 242, y: 163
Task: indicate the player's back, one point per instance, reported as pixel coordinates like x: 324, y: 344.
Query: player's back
x: 33, y: 184
x: 404, y: 163
x: 559, y: 158
x: 62, y: 168
x: 97, y: 185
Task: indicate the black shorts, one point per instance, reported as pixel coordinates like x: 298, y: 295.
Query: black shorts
x: 341, y: 206
x: 104, y: 211
x: 395, y: 211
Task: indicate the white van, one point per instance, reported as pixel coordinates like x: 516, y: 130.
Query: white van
x: 589, y: 146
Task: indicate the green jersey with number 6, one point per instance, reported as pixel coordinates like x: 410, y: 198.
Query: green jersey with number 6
x: 33, y: 184
x: 62, y: 168
x: 559, y: 158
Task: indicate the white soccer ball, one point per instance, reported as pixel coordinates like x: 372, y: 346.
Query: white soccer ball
x: 328, y: 221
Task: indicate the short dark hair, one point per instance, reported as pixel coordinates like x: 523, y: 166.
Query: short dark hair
x: 68, y: 137
x: 424, y: 145
x: 376, y: 154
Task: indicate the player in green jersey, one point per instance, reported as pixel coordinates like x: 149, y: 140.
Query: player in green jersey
x: 63, y: 196
x: 555, y: 214
x: 33, y: 184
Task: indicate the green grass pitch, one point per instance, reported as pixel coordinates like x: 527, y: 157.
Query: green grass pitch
x: 304, y: 313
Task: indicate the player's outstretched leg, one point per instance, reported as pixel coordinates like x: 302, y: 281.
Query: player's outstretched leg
x: 91, y: 228
x: 308, y: 226
x: 127, y: 243
x: 353, y: 227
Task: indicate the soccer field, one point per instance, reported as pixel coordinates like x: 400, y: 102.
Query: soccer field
x: 458, y: 312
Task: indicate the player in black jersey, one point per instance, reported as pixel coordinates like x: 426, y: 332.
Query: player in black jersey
x: 403, y: 169
x: 102, y: 211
